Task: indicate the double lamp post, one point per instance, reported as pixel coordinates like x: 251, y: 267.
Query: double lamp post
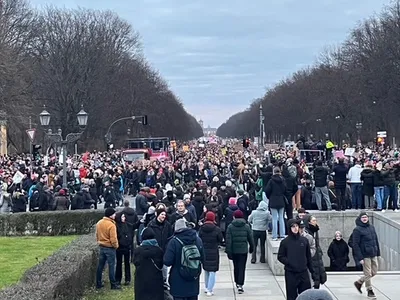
x: 58, y: 138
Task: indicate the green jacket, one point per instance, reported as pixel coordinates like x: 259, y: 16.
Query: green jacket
x: 239, y: 238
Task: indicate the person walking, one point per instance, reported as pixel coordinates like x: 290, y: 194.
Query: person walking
x: 148, y: 261
x: 294, y: 253
x: 211, y: 237
x: 366, y: 250
x: 106, y: 236
x: 259, y: 220
x: 239, y: 242
x: 184, y: 254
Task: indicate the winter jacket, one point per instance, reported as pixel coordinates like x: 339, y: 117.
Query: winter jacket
x: 338, y: 253
x: 148, y: 261
x: 378, y: 178
x: 367, y: 178
x: 211, y: 237
x: 163, y: 232
x: 239, y: 238
x: 321, y: 176
x: 180, y: 287
x: 261, y: 217
x: 340, y: 177
x: 276, y: 192
x: 365, y: 241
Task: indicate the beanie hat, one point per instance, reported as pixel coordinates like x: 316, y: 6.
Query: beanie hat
x: 362, y: 214
x: 180, y: 225
x: 151, y: 210
x: 301, y: 223
x: 292, y: 222
x: 109, y: 212
x: 148, y: 234
x: 238, y: 214
x: 232, y: 201
x: 61, y: 192
x: 315, y: 295
x: 160, y: 210
x: 210, y: 216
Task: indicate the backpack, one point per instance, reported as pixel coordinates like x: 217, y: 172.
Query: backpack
x: 190, y: 261
x: 34, y: 200
x: 292, y: 171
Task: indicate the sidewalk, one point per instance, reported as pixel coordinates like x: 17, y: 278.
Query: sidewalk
x: 262, y: 284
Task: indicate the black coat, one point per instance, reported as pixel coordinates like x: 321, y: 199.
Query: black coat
x: 149, y: 281
x: 367, y: 178
x: 340, y: 177
x: 163, y: 232
x: 276, y: 192
x: 211, y: 236
x: 321, y: 176
x: 338, y: 253
x: 365, y: 241
x: 319, y: 273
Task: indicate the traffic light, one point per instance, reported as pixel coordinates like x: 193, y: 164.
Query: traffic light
x: 144, y: 120
x: 35, y: 150
x: 246, y: 143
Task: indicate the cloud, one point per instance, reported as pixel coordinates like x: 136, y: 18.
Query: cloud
x: 219, y: 55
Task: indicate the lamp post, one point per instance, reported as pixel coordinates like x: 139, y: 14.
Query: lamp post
x: 72, y: 137
x: 358, y: 127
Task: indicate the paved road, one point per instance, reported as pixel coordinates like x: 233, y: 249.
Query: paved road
x: 126, y: 197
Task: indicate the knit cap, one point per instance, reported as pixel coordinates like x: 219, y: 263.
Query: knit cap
x: 238, y: 214
x: 210, y: 216
x: 180, y: 225
x: 232, y: 201
x: 315, y: 295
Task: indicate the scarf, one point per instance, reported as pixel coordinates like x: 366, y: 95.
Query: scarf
x: 151, y: 242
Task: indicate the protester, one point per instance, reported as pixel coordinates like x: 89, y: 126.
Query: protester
x: 338, y: 253
x: 148, y: 261
x: 239, y: 242
x: 185, y: 255
x: 106, y: 236
x: 366, y: 249
x: 211, y: 237
x: 294, y: 253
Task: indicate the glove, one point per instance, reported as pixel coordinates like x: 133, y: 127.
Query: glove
x: 251, y: 250
x: 230, y: 256
x: 316, y: 285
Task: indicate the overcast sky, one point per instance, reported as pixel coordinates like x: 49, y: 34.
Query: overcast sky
x: 219, y: 55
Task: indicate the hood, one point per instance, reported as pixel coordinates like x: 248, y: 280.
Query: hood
x: 339, y: 242
x: 233, y: 207
x: 238, y: 222
x: 360, y: 223
x: 262, y: 206
x: 187, y: 235
x: 208, y: 227
x: 129, y: 211
x: 277, y: 178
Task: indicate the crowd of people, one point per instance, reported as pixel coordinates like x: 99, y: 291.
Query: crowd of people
x: 220, y: 195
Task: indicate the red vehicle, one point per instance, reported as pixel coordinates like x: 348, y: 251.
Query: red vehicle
x: 147, y: 149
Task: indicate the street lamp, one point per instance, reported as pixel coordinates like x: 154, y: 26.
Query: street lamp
x: 57, y: 138
x: 358, y: 127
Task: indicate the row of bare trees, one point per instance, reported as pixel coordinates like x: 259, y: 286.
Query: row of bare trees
x: 65, y: 58
x: 357, y: 82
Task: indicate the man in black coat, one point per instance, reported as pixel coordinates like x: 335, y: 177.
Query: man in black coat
x: 321, y: 185
x: 366, y: 250
x: 294, y: 253
x: 340, y: 180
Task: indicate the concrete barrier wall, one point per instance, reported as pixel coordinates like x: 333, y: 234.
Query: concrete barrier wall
x: 387, y: 227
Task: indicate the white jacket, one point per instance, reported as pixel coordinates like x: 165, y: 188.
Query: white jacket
x: 354, y: 175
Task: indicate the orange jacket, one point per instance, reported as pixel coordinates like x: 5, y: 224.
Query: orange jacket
x: 106, y: 233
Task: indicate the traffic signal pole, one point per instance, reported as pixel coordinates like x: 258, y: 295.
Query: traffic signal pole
x: 30, y: 141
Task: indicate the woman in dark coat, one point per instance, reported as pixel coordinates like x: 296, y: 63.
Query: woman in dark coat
x: 211, y: 236
x: 338, y: 253
x: 148, y: 260
x: 318, y: 265
x: 367, y: 178
x: 124, y: 234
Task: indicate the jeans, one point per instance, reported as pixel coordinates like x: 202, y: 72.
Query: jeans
x: 391, y: 193
x: 356, y: 195
x: 322, y: 191
x: 379, y: 195
x: 262, y: 236
x: 277, y: 216
x: 209, y: 280
x: 123, y: 253
x: 106, y: 255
